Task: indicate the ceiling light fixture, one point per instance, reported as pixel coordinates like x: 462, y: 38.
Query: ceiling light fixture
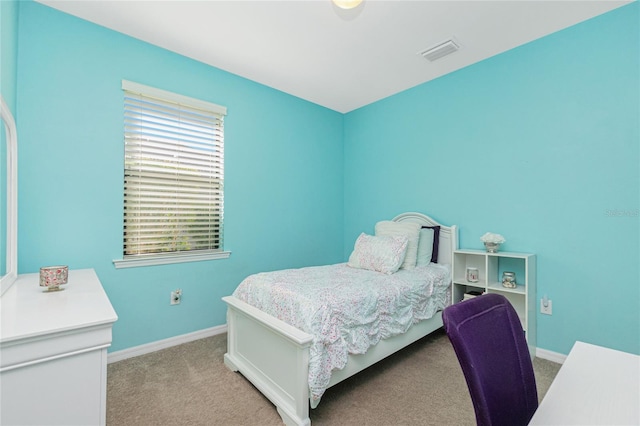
x: 347, y: 4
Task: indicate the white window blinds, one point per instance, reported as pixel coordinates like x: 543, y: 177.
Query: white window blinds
x: 174, y: 173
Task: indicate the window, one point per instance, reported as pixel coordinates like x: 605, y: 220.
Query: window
x: 173, y: 178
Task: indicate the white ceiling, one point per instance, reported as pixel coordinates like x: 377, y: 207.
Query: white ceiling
x: 338, y: 59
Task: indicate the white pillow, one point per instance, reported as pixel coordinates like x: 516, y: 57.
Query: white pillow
x: 382, y: 254
x: 410, y: 230
x: 425, y: 247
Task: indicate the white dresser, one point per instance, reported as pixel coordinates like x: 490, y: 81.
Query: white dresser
x: 53, y: 352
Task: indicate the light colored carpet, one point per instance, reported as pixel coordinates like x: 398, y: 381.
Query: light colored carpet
x: 189, y: 385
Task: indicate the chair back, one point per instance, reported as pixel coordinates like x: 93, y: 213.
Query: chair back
x: 490, y: 344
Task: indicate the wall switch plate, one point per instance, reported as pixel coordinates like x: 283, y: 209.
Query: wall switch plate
x: 545, y: 306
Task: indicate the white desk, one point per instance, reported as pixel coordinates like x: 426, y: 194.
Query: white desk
x: 595, y: 386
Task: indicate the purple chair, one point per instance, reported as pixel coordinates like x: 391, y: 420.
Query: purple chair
x: 489, y: 342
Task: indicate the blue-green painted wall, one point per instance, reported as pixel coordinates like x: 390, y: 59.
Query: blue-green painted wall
x: 8, y: 79
x: 540, y: 144
x: 8, y: 51
x: 283, y: 174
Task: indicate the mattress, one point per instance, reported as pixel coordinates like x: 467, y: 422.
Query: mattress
x: 347, y: 310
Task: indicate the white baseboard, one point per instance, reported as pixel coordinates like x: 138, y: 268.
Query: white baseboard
x: 165, y: 343
x: 551, y: 356
x: 208, y: 332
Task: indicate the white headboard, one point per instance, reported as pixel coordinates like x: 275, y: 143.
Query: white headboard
x: 448, y: 234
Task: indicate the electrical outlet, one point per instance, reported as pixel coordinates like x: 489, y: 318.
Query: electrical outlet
x: 176, y: 297
x: 545, y: 306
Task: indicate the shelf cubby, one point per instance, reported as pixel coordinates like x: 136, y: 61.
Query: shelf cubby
x: 490, y: 268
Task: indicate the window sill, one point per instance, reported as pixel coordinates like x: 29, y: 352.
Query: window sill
x: 167, y: 260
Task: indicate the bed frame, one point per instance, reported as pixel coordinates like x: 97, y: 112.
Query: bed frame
x: 274, y: 355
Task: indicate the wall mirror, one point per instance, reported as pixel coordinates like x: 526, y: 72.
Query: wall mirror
x: 8, y: 200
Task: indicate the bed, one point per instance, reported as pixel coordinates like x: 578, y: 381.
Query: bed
x: 277, y: 357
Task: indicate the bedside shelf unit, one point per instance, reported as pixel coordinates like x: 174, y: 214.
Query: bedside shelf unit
x: 490, y: 268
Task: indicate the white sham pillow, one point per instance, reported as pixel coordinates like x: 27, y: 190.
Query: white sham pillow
x: 383, y: 254
x: 410, y: 230
x: 425, y: 247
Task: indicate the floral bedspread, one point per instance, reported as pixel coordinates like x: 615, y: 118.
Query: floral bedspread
x: 347, y: 310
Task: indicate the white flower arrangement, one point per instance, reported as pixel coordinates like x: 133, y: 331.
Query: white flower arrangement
x: 492, y: 238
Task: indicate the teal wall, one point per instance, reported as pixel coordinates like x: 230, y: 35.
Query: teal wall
x: 8, y: 79
x: 283, y: 173
x: 539, y: 144
x: 8, y: 51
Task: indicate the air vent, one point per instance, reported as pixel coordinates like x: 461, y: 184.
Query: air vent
x: 440, y: 50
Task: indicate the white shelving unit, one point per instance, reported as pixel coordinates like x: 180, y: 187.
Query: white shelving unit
x: 490, y: 268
